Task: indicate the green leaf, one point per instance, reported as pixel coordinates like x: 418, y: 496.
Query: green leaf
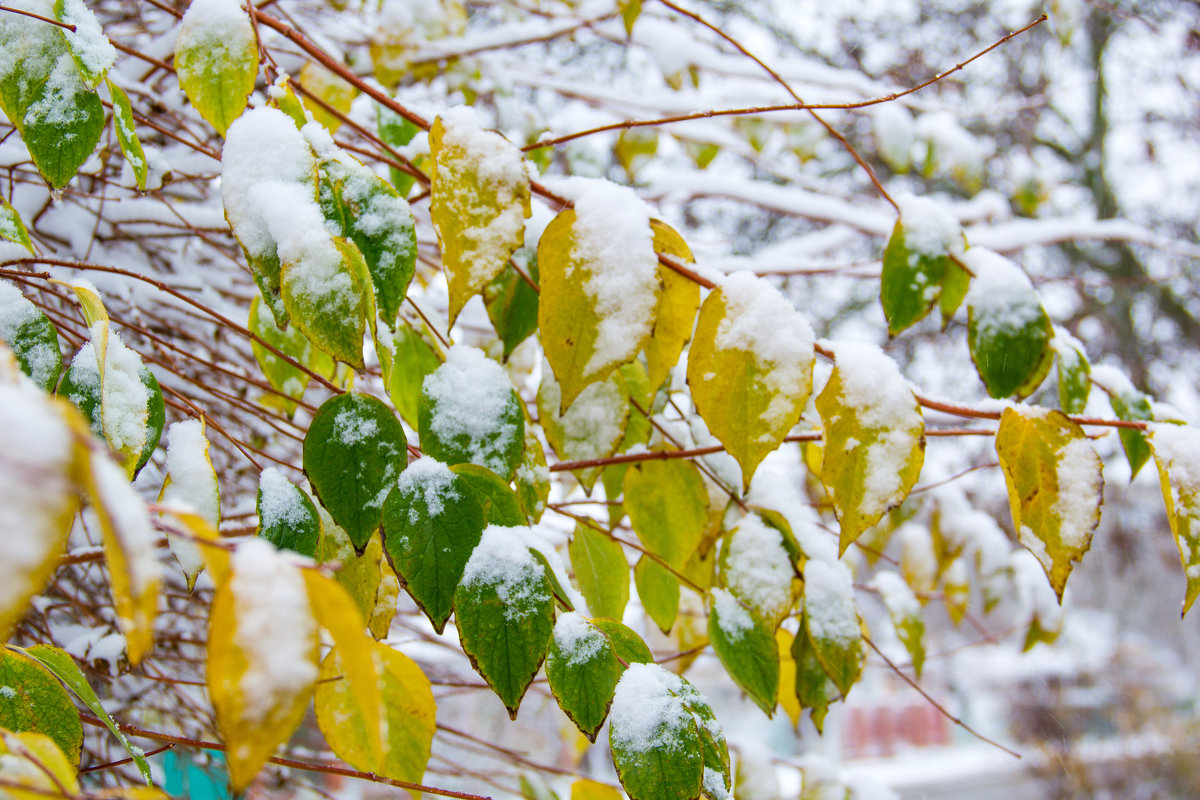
x: 677, y: 307
x: 915, y: 278
x: 512, y: 303
x: 750, y: 368
x: 628, y: 646
x: 31, y: 336
x: 12, y: 229
x: 94, y: 55
x: 432, y: 521
x: 905, y: 612
x: 328, y: 300
x: 667, y: 505
x: 1055, y: 487
x: 282, y: 375
x: 832, y: 623
x: 600, y: 570
x: 874, y: 438
x: 67, y: 671
x: 583, y: 668
x: 814, y: 689
x: 353, y: 453
x: 658, y: 589
x: 287, y: 517
x: 498, y: 500
x: 414, y: 359
x: 1175, y: 452
x: 479, y: 200
x: 42, y: 92
x: 655, y: 738
x: 470, y: 413
x: 377, y: 219
x: 395, y: 131
x: 596, y: 309
x: 32, y: 699
x: 505, y: 614
x: 216, y: 58
x: 1074, y: 372
x: 1008, y: 331
x: 1129, y: 404
x: 131, y: 145
x: 746, y: 646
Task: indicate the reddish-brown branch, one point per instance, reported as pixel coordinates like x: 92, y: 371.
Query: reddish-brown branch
x: 38, y: 17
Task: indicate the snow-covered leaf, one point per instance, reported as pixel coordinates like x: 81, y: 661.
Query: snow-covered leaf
x: 191, y: 482
x: 750, y: 368
x: 287, y: 517
x: 745, y: 644
x: 1055, y: 487
x: 262, y: 656
x: 600, y: 570
x: 216, y: 58
x: 956, y: 590
x: 12, y: 229
x: 533, y: 478
x: 677, y: 306
x: 593, y: 426
x: 31, y: 336
x: 60, y: 118
x: 432, y: 522
x: 1073, y: 371
x: 34, y: 700
x: 599, y: 287
x: 814, y: 690
x: 918, y: 266
x: 353, y: 453
x: 1008, y: 330
x: 93, y: 53
x: 131, y: 145
x: 326, y: 289
x: 479, y: 199
x: 1177, y: 454
x: 505, y: 613
x: 470, y: 413
x: 757, y: 565
x: 904, y: 610
x: 668, y: 507
x: 832, y: 623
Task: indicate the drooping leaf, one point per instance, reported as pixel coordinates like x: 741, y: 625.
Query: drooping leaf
x: 283, y: 376
x: 405, y: 714
x: 750, y: 368
x: 353, y: 453
x: 757, y: 564
x: 1177, y: 454
x: 505, y: 614
x: 287, y: 517
x: 511, y: 299
x: 918, y: 268
x: 599, y: 287
x: 326, y: 296
x: 956, y: 590
x: 583, y: 668
x: 658, y: 590
x: 832, y: 623
x: 584, y: 789
x: 630, y: 11
x: 904, y: 610
x: 498, y: 500
x: 12, y: 229
x: 361, y: 574
x: 262, y: 656
x: 330, y: 89
x: 216, y: 58
x: 677, y: 307
x: 1055, y: 487
x: 1008, y: 330
x: 592, y: 428
x: 874, y: 438
x: 1129, y: 404
x: 131, y: 145
x: 1074, y: 371
x: 746, y: 646
x: 67, y: 671
x: 600, y: 570
x: 479, y: 199
x: 668, y: 507
x: 44, y: 95
x: 786, y: 697
x: 94, y: 55
x: 191, y: 482
x: 470, y: 413
x: 814, y: 690
x: 31, y: 336
x: 34, y: 700
x: 432, y: 522
x: 414, y: 359
x: 533, y: 478
x: 35, y: 767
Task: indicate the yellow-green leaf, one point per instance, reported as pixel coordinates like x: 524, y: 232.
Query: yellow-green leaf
x: 584, y: 789
x: 31, y: 336
x: 326, y: 295
x: 905, y: 612
x: 479, y: 199
x: 831, y: 620
x: 262, y: 656
x: 677, y: 307
x: 600, y: 570
x: 600, y: 287
x: 91, y: 49
x: 330, y: 89
x: 658, y: 589
x: 591, y: 428
x: 34, y: 767
x: 12, y: 229
x: 216, y: 58
x: 667, y: 505
x: 131, y: 145
x: 750, y: 368
x: 787, y: 697
x: 1055, y: 486
x: 874, y: 438
x: 34, y: 700
x: 1177, y: 454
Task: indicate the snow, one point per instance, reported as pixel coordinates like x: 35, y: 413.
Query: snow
x: 88, y: 41
x: 1001, y: 297
x: 502, y: 562
x: 592, y: 425
x: 130, y: 522
x: 1177, y: 448
x: 894, y: 134
x: 274, y: 627
x: 281, y: 502
x: 829, y: 601
x: 193, y: 481
x: 917, y: 557
x: 734, y: 620
x: 1113, y: 379
x: 899, y: 599
x: 713, y: 784
x: 124, y: 398
x: 1080, y: 492
x: 757, y: 568
x: 432, y: 481
x: 16, y: 312
x: 471, y: 395
x: 929, y: 229
x: 351, y: 428
x: 647, y: 713
x: 577, y: 640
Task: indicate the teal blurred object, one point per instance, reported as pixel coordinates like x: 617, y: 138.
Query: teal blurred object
x: 182, y: 777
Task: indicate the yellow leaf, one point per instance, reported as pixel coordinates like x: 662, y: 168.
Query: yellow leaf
x: 677, y: 307
x: 407, y: 722
x: 331, y: 89
x: 787, y: 676
x: 479, y: 199
x: 129, y: 547
x: 1177, y: 454
x: 750, y: 368
x: 216, y: 557
x: 36, y: 439
x: 1055, y: 486
x: 600, y: 286
x: 262, y: 655
x: 33, y: 761
x: 89, y: 301
x: 584, y: 789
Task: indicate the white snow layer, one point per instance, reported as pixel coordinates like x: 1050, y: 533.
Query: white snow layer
x: 829, y: 601
x: 502, y: 561
x: 471, y: 394
x: 757, y: 567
